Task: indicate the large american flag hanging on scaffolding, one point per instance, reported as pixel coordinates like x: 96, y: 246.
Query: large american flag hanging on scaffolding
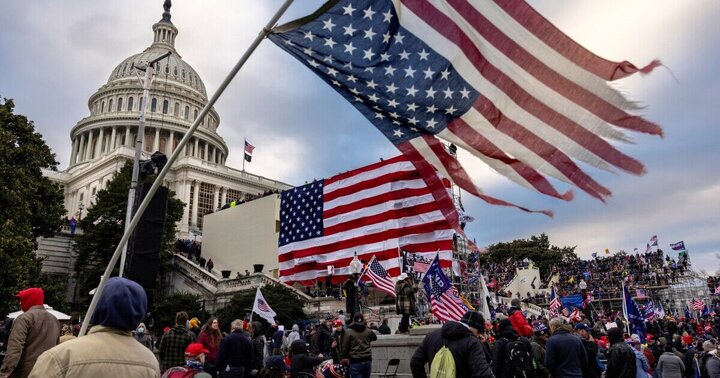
x: 492, y: 77
x: 373, y: 210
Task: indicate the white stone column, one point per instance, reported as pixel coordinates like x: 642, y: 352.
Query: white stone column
x: 126, y: 142
x: 156, y: 141
x: 196, y: 151
x: 214, y: 154
x: 73, y: 152
x: 223, y: 196
x: 113, y: 136
x: 207, y: 152
x: 185, y: 196
x: 81, y: 147
x: 89, y: 149
x: 216, y: 198
x: 196, y: 191
x: 171, y: 142
x: 99, y: 144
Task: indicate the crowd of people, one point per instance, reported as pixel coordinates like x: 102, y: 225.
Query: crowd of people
x: 192, y: 249
x: 603, y: 275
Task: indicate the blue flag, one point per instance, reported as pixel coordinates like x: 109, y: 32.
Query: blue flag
x: 572, y: 301
x: 687, y: 313
x: 636, y: 318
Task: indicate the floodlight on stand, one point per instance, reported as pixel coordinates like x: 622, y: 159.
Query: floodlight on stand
x: 355, y: 265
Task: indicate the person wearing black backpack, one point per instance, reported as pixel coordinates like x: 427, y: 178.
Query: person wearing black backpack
x: 512, y: 354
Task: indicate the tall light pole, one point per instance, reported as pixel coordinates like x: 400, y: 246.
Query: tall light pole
x: 80, y: 209
x: 146, y: 82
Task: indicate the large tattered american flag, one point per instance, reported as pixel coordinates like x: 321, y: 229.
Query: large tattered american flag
x: 372, y: 210
x: 492, y: 77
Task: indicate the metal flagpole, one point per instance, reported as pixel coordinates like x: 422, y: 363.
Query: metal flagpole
x: 158, y: 181
x: 146, y: 82
x: 624, y: 307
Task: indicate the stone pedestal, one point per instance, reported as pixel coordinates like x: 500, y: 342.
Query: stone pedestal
x: 387, y: 347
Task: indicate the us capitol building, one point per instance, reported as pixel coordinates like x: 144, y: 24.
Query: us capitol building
x: 103, y: 141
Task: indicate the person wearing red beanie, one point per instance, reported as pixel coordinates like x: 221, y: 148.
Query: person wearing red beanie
x: 33, y: 332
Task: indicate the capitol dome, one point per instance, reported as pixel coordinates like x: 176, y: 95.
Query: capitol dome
x: 173, y: 67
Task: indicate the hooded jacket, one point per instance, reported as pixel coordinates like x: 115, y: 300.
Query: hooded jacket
x: 356, y: 343
x: 521, y: 325
x: 506, y: 334
x: 621, y: 361
x: 32, y: 333
x: 258, y: 346
x: 301, y: 362
x: 470, y: 360
x: 109, y: 348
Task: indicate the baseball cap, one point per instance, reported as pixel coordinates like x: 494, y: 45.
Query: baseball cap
x: 582, y: 326
x: 195, y: 349
x: 540, y: 329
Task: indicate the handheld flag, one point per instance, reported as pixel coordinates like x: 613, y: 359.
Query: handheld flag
x: 654, y: 241
x: 555, y: 303
x: 248, y: 151
x: 494, y: 78
x: 698, y: 304
x: 679, y: 246
x: 262, y: 308
x: 687, y: 313
x: 379, y: 277
x: 607, y: 251
x: 445, y: 304
x: 636, y: 318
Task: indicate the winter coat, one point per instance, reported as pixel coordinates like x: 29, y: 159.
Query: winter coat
x: 564, y: 355
x: 235, y: 351
x: 258, y: 351
x: 212, y: 345
x: 670, y: 366
x: 642, y: 366
x: 469, y: 355
x: 103, y: 352
x: 621, y: 361
x: 590, y: 368
x: 506, y: 335
x: 324, y: 339
x: 521, y: 325
x: 538, y: 349
x: 144, y: 339
x: 405, y: 301
x: 172, y: 347
x: 301, y: 361
x: 356, y: 343
x: 294, y: 334
x: 32, y: 333
x: 713, y: 367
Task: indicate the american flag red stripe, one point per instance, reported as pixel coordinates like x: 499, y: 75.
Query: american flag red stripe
x: 536, y: 24
x: 377, y: 274
x: 371, y: 211
x: 447, y: 307
x: 698, y: 304
x: 249, y: 148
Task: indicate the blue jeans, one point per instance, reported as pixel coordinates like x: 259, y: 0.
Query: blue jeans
x: 360, y: 369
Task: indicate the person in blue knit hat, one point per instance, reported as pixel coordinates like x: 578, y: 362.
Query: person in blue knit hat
x: 109, y: 349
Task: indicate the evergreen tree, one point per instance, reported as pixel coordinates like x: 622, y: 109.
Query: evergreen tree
x: 30, y: 206
x: 104, y: 224
x: 537, y: 249
x: 283, y: 301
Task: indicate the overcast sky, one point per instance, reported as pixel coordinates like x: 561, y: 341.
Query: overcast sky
x: 55, y: 54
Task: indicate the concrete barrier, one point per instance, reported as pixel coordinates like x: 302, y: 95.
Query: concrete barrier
x: 387, y: 347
